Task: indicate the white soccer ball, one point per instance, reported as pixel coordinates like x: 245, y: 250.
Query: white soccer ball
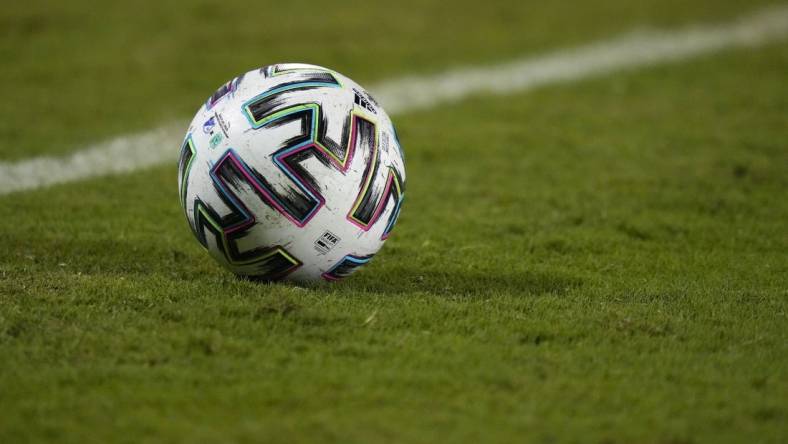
x: 291, y: 172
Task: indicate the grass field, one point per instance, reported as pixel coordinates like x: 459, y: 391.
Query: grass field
x: 603, y: 261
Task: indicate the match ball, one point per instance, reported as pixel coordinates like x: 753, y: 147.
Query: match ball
x: 291, y: 172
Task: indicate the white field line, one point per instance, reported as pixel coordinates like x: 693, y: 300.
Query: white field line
x: 161, y: 145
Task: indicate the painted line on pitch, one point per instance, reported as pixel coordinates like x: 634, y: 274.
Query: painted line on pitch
x: 162, y: 145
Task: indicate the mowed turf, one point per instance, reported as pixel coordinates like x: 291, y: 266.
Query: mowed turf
x: 597, y: 262
x: 74, y: 72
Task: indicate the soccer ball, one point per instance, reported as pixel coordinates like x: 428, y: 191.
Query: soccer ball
x: 291, y: 172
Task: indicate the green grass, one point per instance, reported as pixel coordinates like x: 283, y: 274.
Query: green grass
x: 597, y: 262
x: 74, y: 72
